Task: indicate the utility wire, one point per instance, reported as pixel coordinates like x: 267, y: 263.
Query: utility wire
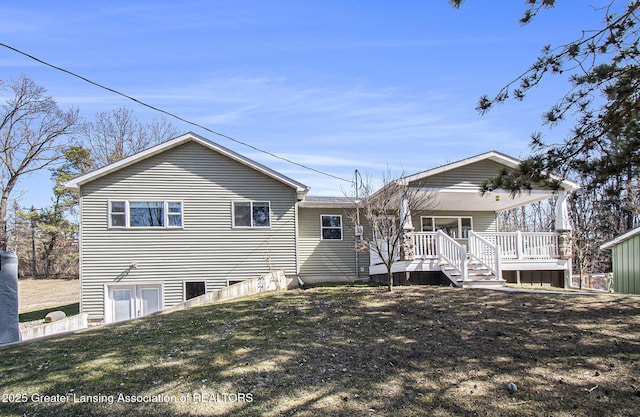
x: 142, y: 103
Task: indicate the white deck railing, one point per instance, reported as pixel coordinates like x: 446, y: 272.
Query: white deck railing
x: 513, y: 246
x: 485, y: 252
x: 525, y: 245
x: 425, y: 245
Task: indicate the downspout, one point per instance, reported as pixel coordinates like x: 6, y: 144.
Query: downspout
x: 295, y: 235
x: 80, y: 260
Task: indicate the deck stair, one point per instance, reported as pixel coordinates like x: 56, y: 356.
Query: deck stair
x: 478, y: 276
x: 478, y: 268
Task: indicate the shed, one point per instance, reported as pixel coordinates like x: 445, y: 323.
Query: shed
x: 625, y: 260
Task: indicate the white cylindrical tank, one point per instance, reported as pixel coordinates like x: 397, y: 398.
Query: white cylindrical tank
x: 9, y: 327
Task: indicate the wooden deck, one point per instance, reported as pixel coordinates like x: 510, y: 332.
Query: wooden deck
x: 479, y: 260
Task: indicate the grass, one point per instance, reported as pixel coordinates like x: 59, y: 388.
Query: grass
x: 47, y: 294
x: 69, y: 310
x: 344, y: 351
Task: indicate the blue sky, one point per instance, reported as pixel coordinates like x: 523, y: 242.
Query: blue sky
x: 337, y: 85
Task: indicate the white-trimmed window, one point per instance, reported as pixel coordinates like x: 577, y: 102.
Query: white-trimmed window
x: 331, y: 226
x: 145, y: 214
x: 118, y: 213
x: 251, y: 214
x: 455, y: 227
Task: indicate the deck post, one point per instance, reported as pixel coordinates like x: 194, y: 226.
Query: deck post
x: 519, y: 245
x: 463, y: 262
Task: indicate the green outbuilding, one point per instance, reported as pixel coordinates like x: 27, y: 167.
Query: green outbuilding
x: 625, y: 260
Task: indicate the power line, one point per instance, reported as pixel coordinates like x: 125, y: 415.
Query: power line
x: 142, y: 103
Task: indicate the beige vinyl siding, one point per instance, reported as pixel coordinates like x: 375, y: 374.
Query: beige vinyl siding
x: 206, y: 248
x: 327, y: 258
x: 469, y: 176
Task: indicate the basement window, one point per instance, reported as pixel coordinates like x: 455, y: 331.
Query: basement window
x: 194, y: 289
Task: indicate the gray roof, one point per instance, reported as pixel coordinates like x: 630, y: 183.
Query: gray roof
x: 327, y: 202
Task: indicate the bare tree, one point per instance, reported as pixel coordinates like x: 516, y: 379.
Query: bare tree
x: 117, y: 134
x: 534, y: 217
x: 31, y: 130
x: 388, y: 211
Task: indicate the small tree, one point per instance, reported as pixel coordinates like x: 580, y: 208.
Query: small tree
x: 388, y: 212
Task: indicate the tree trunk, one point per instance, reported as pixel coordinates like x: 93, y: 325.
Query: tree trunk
x: 3, y: 219
x: 389, y: 279
x: 4, y: 200
x: 48, y: 255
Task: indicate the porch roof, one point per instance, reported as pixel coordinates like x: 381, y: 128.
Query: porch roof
x: 464, y: 199
x: 465, y: 195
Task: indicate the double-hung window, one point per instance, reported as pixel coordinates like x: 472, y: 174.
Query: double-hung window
x: 145, y: 214
x: 331, y: 226
x: 251, y: 214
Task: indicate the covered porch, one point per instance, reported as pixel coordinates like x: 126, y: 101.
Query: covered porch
x: 475, y: 252
x: 481, y: 259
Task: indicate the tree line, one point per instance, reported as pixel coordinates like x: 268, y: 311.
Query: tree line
x: 35, y: 134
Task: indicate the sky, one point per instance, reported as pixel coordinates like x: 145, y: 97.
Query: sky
x: 335, y: 85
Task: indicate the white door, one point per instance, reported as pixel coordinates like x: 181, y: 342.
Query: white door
x: 123, y: 303
x: 148, y: 300
x: 132, y: 301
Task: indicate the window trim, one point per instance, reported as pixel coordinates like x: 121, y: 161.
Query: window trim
x: 322, y: 228
x: 459, y: 218
x: 127, y: 214
x: 110, y: 214
x: 251, y: 225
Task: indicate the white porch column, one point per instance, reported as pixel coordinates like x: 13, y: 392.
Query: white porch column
x: 407, y: 252
x: 405, y: 213
x: 563, y: 227
x: 562, y: 213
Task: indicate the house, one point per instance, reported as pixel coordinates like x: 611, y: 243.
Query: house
x: 459, y: 237
x: 625, y: 260
x: 189, y: 216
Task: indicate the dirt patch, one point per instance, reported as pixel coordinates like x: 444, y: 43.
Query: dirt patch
x: 39, y: 294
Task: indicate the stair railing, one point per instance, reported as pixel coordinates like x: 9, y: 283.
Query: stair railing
x: 452, y: 252
x: 485, y: 252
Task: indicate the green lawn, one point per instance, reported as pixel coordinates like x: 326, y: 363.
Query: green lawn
x: 345, y: 351
x: 69, y: 310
